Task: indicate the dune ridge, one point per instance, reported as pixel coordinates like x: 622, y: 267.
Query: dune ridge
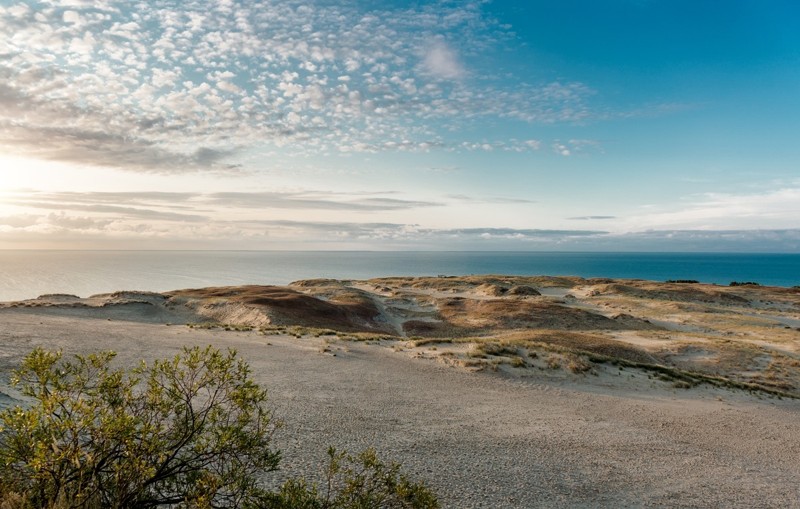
x: 744, y: 335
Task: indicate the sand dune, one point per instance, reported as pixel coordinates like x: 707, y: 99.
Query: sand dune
x: 579, y: 402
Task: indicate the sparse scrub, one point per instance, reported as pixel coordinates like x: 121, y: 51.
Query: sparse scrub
x: 476, y: 351
x: 205, y: 325
x: 429, y: 341
x: 370, y: 336
x: 298, y: 332
x: 485, y: 349
x: 356, y: 482
x: 518, y: 362
x: 272, y: 329
x: 577, y: 364
x: 222, y: 326
x: 598, y: 350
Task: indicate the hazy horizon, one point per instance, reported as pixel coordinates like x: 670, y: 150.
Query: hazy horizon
x: 575, y: 126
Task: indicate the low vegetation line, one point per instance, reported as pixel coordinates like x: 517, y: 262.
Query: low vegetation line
x: 690, y: 377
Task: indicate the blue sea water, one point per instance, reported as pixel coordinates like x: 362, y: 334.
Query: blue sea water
x: 27, y: 274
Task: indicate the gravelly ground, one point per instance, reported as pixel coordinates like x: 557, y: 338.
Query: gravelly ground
x: 485, y: 440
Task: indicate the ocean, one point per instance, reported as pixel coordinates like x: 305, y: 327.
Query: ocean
x: 28, y: 274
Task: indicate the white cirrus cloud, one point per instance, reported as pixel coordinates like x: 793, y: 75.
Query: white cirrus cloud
x: 777, y: 208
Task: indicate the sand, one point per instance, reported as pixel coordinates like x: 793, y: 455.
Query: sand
x: 612, y: 439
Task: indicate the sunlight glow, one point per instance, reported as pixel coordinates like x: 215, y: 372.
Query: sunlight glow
x: 21, y: 173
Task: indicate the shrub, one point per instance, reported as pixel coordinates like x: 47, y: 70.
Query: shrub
x: 518, y: 362
x: 191, y: 431
x: 352, y: 482
x: 553, y: 362
x: 578, y: 364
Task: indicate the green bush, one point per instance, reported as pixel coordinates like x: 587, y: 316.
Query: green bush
x: 352, y: 482
x: 191, y: 431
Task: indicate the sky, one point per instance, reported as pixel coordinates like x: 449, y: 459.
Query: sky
x: 622, y: 125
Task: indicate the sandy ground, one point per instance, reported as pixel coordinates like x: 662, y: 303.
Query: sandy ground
x: 483, y: 439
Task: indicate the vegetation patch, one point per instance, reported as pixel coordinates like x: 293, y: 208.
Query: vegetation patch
x: 193, y: 431
x: 577, y: 363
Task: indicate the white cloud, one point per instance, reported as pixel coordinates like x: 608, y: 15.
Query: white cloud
x: 309, y: 78
x: 83, y: 45
x: 19, y: 220
x: 562, y: 149
x: 442, y: 61
x: 576, y: 146
x: 71, y: 17
x: 163, y: 77
x: 229, y: 87
x: 18, y: 10
x: 779, y: 208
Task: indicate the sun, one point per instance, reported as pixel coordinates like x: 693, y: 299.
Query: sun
x: 17, y: 174
x: 21, y: 178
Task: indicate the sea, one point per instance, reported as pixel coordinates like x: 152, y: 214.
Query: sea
x: 28, y: 274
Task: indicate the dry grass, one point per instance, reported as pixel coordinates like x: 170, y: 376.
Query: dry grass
x: 475, y: 316
x: 578, y: 364
x: 579, y: 342
x: 578, y: 353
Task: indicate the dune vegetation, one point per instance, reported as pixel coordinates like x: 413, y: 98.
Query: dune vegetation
x: 192, y: 431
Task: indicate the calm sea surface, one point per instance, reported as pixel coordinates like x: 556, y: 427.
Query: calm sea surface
x: 27, y: 274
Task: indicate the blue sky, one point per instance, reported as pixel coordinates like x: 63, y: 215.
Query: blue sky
x: 570, y: 125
